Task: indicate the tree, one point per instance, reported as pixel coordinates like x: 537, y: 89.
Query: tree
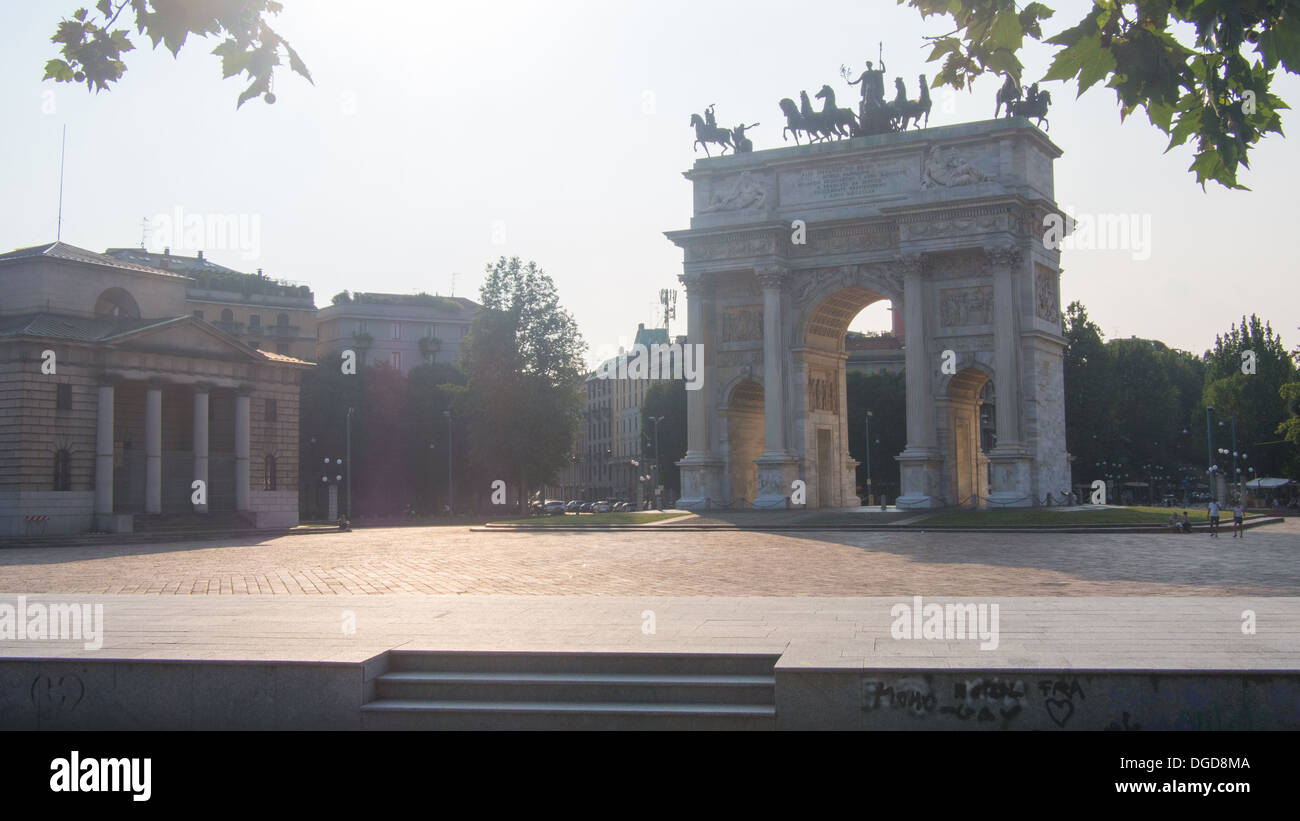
x: 666, y: 399
x: 1089, y: 426
x: 1255, y: 399
x: 523, y: 362
x: 92, y: 48
x: 1206, y: 88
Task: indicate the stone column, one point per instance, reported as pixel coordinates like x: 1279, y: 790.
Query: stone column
x: 772, y: 279
x: 1012, y: 484
x: 201, y: 442
x: 241, y: 450
x: 104, y: 458
x: 153, y: 449
x: 697, y: 428
x: 701, y: 469
x: 920, y: 463
x: 777, y: 467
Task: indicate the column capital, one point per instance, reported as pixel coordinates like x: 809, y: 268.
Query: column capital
x: 203, y: 387
x: 158, y: 382
x: 1008, y: 256
x: 771, y: 275
x: 244, y: 389
x: 696, y: 286
x: 910, y: 265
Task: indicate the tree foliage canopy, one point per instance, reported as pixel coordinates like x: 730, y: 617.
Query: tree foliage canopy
x: 1199, y: 68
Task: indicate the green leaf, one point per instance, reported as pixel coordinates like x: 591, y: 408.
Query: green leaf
x: 297, y: 65
x: 59, y: 71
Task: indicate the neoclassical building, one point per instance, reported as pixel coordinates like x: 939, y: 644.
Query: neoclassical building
x: 120, y: 410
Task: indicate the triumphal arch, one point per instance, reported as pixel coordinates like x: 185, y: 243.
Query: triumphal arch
x: 787, y: 246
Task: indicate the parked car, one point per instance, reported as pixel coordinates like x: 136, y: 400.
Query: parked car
x: 554, y: 507
x: 571, y: 506
x: 603, y: 506
x: 588, y: 507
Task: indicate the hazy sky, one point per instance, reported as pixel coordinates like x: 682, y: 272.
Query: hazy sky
x: 439, y: 136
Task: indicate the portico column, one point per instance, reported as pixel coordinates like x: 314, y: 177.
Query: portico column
x: 104, y: 456
x: 920, y: 463
x: 241, y: 450
x: 153, y: 449
x: 201, y: 443
x: 777, y: 467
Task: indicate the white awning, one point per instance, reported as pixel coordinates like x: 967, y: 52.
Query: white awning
x: 1267, y: 483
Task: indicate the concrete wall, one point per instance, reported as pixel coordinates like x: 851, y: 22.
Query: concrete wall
x: 840, y: 699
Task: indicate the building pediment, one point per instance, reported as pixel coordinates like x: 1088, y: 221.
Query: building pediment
x: 186, y: 335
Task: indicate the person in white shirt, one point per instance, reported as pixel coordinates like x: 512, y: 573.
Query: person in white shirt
x: 1239, y: 520
x: 1214, y: 518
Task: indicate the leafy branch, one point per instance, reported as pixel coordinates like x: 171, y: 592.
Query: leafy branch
x: 92, y: 48
x: 1210, y: 90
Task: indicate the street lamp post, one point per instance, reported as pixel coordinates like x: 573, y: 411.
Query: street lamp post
x: 348, y: 463
x: 658, y: 480
x: 867, y: 421
x: 451, y: 502
x: 1209, y: 449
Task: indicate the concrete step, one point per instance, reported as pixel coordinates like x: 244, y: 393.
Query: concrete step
x: 693, y: 664
x: 636, y: 688
x: 398, y: 714
x: 190, y: 522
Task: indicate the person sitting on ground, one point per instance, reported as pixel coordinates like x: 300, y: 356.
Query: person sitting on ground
x: 1173, y: 521
x: 1187, y: 523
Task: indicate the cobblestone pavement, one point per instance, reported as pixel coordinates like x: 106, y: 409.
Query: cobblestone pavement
x: 452, y: 560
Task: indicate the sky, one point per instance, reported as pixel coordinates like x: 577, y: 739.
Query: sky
x: 438, y: 137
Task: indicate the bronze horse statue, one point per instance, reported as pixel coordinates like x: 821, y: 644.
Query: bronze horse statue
x: 1008, y: 94
x: 705, y: 134
x: 913, y: 109
x: 843, y: 120
x: 794, y: 121
x: 1033, y: 107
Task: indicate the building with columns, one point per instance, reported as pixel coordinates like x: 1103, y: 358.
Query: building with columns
x: 122, y: 411
x: 945, y: 223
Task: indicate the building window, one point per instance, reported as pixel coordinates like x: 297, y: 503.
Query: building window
x: 63, y: 397
x: 361, y: 326
x: 282, y: 347
x: 282, y: 320
x: 227, y: 315
x: 396, y: 360
x: 397, y: 330
x: 269, y: 469
x: 62, y: 469
x: 198, y: 314
x: 255, y: 321
x: 270, y: 410
x: 430, y: 330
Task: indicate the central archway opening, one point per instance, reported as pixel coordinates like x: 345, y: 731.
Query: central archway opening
x: 855, y: 416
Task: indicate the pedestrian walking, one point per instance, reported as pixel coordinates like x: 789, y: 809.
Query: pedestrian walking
x: 1214, y: 518
x: 1239, y: 521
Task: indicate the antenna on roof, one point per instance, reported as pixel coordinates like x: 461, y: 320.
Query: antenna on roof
x: 58, y: 232
x: 453, y: 283
x: 144, y: 234
x: 668, y: 299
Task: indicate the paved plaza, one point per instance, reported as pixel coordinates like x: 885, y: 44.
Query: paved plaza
x: 662, y: 562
